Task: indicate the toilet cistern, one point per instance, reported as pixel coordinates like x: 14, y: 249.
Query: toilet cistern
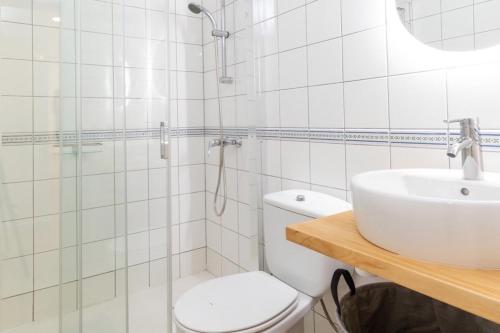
x: 469, y: 144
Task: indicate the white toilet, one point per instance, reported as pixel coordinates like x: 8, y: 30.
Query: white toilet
x: 257, y: 301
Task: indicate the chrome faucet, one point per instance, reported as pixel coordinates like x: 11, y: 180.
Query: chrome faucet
x: 469, y: 144
x: 227, y: 141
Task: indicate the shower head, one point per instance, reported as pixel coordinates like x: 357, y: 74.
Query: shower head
x: 197, y: 9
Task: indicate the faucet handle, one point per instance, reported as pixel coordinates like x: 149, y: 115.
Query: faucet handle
x: 463, y: 121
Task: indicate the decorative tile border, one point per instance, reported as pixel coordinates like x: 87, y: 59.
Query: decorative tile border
x: 13, y: 139
x: 396, y: 137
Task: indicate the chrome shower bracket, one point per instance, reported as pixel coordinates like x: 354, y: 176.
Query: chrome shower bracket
x: 220, y: 33
x: 223, y: 34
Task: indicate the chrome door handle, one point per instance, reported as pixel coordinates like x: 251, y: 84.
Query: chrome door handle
x: 163, y: 142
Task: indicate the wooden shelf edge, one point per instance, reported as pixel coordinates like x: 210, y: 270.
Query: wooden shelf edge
x: 475, y: 291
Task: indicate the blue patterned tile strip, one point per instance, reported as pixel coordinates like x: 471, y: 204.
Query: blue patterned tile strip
x: 398, y: 137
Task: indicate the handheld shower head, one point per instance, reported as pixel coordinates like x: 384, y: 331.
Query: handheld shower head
x: 197, y: 9
x: 194, y: 8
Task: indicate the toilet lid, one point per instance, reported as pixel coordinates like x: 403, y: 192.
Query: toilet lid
x: 234, y: 303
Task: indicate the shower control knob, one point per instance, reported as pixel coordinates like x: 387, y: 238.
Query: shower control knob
x: 300, y: 197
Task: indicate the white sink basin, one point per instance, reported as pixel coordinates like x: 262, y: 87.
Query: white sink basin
x: 431, y: 215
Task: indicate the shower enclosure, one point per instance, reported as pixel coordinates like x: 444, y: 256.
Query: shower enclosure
x: 106, y: 215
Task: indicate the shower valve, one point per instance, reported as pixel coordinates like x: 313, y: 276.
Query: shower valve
x: 226, y: 141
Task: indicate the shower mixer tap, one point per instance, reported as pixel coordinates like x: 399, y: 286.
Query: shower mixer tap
x: 227, y: 141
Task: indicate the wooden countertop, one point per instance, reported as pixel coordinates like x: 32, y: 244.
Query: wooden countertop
x: 476, y: 291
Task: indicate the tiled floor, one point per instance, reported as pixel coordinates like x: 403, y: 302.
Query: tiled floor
x: 147, y: 312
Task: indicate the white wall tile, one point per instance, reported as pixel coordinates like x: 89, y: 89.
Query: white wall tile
x: 16, y: 40
x: 286, y: 5
x: 97, y: 49
x: 458, y: 22
x: 16, y: 114
x: 213, y: 236
x: 295, y: 160
x: 16, y: 311
x: 472, y: 93
x: 268, y: 36
x: 98, y: 190
x: 361, y: 158
x: 137, y: 188
x: 96, y: 16
x: 326, y: 106
x: 157, y: 213
x: 21, y: 77
x: 484, y: 15
x: 248, y: 253
x: 365, y: 54
x: 138, y: 248
x: 46, y: 233
x: 192, y: 206
x: 292, y: 29
x: 359, y: 15
x: 293, y: 68
x: 99, y: 223
x: 325, y: 62
x: 294, y: 108
x: 191, y: 178
x: 453, y: 4
x: 192, y: 236
x: 328, y: 164
x: 17, y: 163
x: 366, y: 104
x: 188, y: 29
x: 20, y: 204
x: 46, y: 13
x: 16, y: 11
x: 46, y: 269
x: 229, y: 219
x: 99, y: 257
x: 428, y: 29
x: 229, y: 245
x: 323, y: 20
x: 418, y: 100
x: 405, y: 157
x: 192, y: 262
x: 158, y: 243
x: 17, y: 276
x: 271, y: 163
x: 46, y: 303
x: 97, y: 81
x: 96, y: 289
x: 270, y: 68
x: 17, y: 238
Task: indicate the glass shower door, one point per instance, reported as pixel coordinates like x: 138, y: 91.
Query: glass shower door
x: 84, y: 192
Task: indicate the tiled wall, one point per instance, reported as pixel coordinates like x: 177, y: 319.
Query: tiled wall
x: 346, y: 89
x: 231, y: 238
x: 453, y: 25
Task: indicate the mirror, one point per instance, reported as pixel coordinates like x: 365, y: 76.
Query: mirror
x: 453, y: 25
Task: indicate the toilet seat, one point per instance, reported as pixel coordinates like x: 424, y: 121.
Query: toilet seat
x: 245, y: 303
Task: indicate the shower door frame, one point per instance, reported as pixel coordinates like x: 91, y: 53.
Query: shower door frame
x: 120, y: 136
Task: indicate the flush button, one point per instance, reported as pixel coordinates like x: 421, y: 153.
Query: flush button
x: 300, y: 197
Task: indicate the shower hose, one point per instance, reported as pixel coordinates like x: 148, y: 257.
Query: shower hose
x: 219, y: 208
